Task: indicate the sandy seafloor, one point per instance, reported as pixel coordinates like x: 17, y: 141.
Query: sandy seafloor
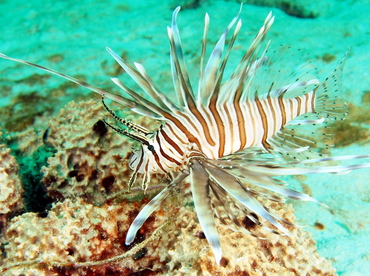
x: 71, y: 36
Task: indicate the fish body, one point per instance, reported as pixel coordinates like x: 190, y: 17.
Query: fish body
x: 249, y: 124
x: 228, y: 136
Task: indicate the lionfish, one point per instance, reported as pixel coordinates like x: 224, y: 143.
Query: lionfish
x: 228, y: 136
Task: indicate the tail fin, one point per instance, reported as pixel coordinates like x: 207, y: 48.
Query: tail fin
x: 327, y: 102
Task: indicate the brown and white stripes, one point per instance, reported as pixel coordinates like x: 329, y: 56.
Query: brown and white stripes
x: 248, y: 124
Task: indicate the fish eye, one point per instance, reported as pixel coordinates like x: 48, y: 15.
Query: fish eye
x: 151, y: 147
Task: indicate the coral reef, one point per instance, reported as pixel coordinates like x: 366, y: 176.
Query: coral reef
x: 243, y: 254
x: 10, y: 184
x: 75, y: 232
x: 84, y: 232
x: 10, y: 189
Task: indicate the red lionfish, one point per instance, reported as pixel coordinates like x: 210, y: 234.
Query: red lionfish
x: 229, y: 135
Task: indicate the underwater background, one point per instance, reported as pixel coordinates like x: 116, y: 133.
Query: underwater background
x: 71, y: 36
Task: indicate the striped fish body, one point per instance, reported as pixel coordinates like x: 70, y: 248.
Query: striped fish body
x: 228, y: 136
x: 235, y: 127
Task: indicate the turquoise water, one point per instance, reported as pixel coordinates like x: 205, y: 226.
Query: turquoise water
x: 71, y: 37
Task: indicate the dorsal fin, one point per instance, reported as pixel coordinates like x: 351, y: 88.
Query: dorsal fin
x: 180, y: 74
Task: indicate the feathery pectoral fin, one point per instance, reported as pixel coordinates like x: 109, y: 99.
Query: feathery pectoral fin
x: 230, y: 184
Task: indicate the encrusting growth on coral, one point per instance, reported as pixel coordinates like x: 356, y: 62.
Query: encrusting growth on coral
x: 123, y: 259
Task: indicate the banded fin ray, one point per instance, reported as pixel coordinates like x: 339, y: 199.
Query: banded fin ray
x: 161, y: 96
x: 223, y: 198
x: 222, y: 88
x: 132, y: 104
x: 269, y: 183
x: 139, y: 99
x: 144, y: 81
x: 200, y: 188
x: 245, y: 69
x: 286, y: 169
x: 284, y: 90
x: 236, y: 88
x: 212, y: 76
x: 151, y: 207
x: 230, y: 184
x: 180, y: 74
x: 203, y: 53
